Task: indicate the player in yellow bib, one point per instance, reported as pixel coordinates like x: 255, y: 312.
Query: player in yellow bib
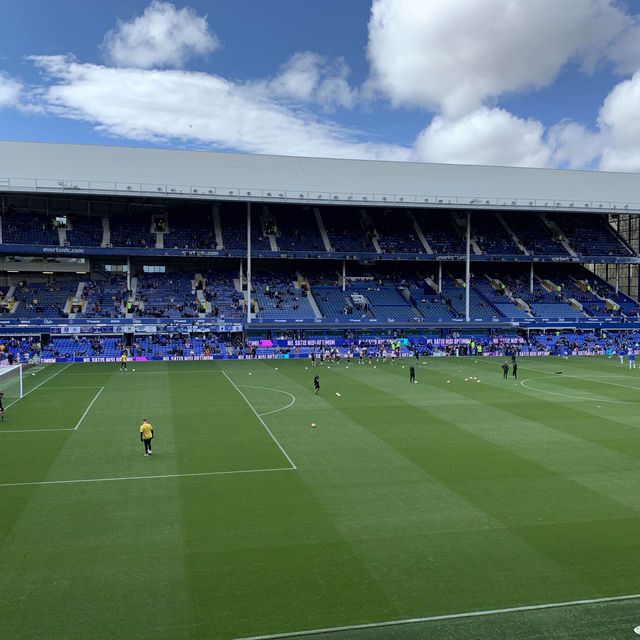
x: 123, y: 361
x: 146, y: 435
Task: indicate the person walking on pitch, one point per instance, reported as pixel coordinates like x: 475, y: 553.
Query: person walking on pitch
x: 146, y: 435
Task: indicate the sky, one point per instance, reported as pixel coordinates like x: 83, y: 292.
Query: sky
x: 534, y: 83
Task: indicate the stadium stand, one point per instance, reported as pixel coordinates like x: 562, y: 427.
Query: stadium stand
x: 131, y: 231
x: 83, y: 231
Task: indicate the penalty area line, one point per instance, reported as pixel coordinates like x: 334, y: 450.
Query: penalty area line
x: 88, y: 408
x: 257, y: 415
x: 452, y: 616
x: 35, y: 430
x: 154, y: 477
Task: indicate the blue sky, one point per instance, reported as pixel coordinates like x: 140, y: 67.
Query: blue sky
x: 511, y: 82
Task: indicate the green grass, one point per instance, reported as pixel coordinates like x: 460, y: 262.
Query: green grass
x: 406, y: 501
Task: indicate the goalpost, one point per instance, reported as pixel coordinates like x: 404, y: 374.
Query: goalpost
x: 11, y: 381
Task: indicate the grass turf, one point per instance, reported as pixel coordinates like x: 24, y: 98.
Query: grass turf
x: 407, y: 501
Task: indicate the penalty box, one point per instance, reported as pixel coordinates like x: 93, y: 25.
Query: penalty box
x: 49, y: 409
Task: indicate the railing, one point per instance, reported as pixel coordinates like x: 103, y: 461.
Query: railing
x: 218, y: 192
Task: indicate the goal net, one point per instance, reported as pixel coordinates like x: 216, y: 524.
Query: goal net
x: 11, y: 381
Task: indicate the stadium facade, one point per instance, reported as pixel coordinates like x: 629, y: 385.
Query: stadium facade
x: 307, y: 243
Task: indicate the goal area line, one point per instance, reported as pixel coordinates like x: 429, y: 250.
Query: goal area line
x: 74, y: 428
x: 452, y: 616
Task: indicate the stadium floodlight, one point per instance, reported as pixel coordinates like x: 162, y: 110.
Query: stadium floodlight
x: 586, y: 204
x: 281, y: 195
x: 530, y: 203
x: 11, y: 381
x: 302, y: 195
x: 159, y: 188
x: 400, y: 199
x: 269, y: 193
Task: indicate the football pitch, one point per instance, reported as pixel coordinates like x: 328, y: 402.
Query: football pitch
x: 466, y: 506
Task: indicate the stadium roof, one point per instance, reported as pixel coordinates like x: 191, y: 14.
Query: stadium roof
x: 112, y: 170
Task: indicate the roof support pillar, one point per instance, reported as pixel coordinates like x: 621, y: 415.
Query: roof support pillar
x: 531, y: 278
x: 248, y: 263
x: 468, y: 268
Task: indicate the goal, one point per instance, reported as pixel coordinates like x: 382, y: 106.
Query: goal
x: 11, y: 381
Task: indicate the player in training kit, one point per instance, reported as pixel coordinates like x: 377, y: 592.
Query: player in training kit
x: 146, y: 435
x: 316, y: 384
x: 123, y: 361
x: 632, y: 360
x: 505, y: 370
x: 412, y: 374
x: 2, y: 405
x: 514, y: 370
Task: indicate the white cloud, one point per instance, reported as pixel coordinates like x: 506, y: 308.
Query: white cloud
x: 162, y: 36
x: 310, y: 77
x: 574, y: 147
x: 486, y: 136
x: 620, y: 126
x: 454, y: 56
x: 9, y: 91
x: 502, y: 52
x: 163, y: 105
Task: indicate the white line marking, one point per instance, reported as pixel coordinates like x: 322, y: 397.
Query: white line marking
x: 89, y: 407
x: 24, y: 395
x: 142, y: 364
x: 168, y: 475
x: 266, y: 413
x: 95, y: 386
x: 453, y: 616
x: 567, y: 395
x: 35, y: 430
x: 286, y: 455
